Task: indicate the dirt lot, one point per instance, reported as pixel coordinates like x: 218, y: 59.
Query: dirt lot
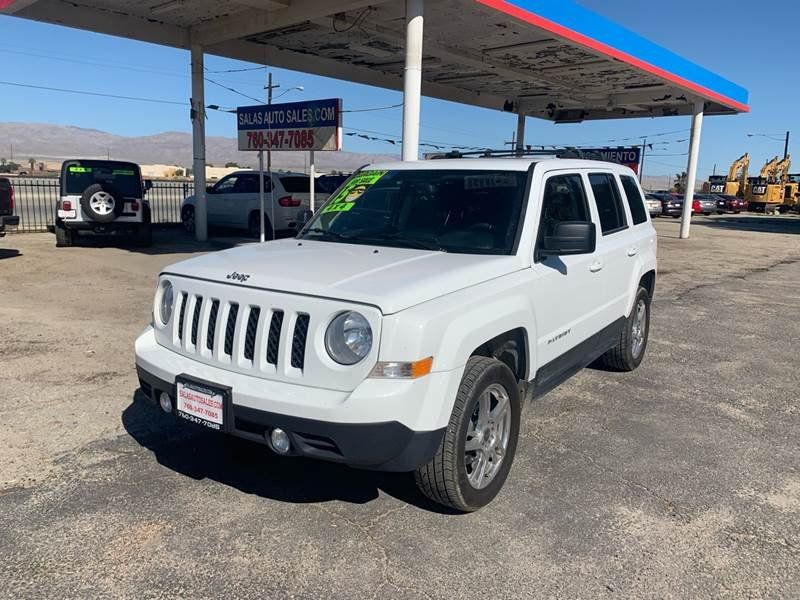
x: 679, y: 480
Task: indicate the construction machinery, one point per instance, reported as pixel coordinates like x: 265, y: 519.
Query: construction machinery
x: 774, y: 190
x: 734, y: 183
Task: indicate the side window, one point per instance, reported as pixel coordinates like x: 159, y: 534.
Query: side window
x: 609, y: 203
x: 564, y: 199
x: 226, y: 185
x: 247, y: 184
x: 635, y: 200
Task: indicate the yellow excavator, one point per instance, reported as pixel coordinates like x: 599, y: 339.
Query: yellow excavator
x: 774, y: 190
x: 734, y: 183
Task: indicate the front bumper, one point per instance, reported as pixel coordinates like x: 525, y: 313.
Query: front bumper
x: 388, y: 425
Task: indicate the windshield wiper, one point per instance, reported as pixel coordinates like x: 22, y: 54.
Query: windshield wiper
x: 328, y: 233
x: 400, y: 238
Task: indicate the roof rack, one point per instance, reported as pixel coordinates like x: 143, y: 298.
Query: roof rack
x: 506, y: 153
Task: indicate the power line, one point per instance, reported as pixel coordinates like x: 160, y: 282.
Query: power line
x: 261, y: 68
x: 230, y: 89
x: 87, y: 93
x: 363, y: 110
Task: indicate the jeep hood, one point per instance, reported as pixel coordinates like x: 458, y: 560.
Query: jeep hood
x: 392, y: 279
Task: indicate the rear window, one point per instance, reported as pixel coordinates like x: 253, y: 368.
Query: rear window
x: 609, y: 203
x: 296, y: 184
x: 123, y: 177
x: 635, y: 200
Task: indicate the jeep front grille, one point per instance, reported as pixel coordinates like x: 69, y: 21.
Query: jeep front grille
x: 248, y: 335
x: 299, y: 341
x: 275, y: 325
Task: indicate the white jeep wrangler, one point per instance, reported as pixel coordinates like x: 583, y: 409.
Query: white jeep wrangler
x: 102, y: 197
x: 404, y: 325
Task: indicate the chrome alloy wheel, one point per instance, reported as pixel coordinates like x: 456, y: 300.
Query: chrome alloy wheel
x: 638, y: 328
x: 487, y: 438
x: 102, y: 203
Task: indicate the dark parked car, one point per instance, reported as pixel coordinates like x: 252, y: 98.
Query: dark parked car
x: 730, y: 204
x: 330, y: 183
x: 704, y: 204
x: 7, y: 205
x: 671, y: 203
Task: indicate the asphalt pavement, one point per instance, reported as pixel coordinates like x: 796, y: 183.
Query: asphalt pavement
x: 679, y: 480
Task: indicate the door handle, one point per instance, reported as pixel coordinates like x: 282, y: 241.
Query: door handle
x: 596, y: 266
x: 633, y: 251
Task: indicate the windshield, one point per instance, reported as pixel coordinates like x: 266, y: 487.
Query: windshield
x: 123, y: 177
x: 461, y: 211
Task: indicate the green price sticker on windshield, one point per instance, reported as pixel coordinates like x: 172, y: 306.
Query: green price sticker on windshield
x: 352, y: 191
x: 80, y: 169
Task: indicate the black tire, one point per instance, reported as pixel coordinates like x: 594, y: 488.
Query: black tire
x: 621, y: 357
x: 90, y: 213
x: 144, y: 235
x: 676, y: 216
x: 254, y: 226
x: 445, y: 478
x: 187, y: 219
x: 64, y: 237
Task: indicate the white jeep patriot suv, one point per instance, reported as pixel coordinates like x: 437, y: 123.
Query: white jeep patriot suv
x: 404, y: 325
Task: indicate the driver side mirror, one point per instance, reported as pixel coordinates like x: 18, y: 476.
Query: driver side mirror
x: 210, y: 189
x: 570, y: 237
x: 148, y: 185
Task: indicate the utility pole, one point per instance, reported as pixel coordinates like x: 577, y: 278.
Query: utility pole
x: 641, y: 166
x: 269, y: 87
x: 513, y: 142
x: 786, y: 146
x: 715, y: 169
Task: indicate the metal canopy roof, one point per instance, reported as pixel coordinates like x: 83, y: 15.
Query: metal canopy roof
x: 549, y: 59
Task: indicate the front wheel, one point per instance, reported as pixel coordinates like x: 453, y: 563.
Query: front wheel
x: 187, y: 219
x: 628, y: 352
x: 478, y: 448
x: 144, y: 235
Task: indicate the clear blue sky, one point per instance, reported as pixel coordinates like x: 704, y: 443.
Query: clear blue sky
x: 757, y: 51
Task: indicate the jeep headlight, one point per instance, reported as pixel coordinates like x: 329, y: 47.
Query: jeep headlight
x: 348, y: 338
x: 165, y: 299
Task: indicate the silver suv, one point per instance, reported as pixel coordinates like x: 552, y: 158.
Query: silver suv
x: 234, y: 202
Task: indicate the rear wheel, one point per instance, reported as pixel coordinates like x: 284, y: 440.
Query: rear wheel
x: 628, y: 352
x: 64, y: 237
x: 478, y: 448
x: 254, y: 226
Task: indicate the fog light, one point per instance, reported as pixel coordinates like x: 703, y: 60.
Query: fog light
x: 166, y: 402
x: 279, y: 440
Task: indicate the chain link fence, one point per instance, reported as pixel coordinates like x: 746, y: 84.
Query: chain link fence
x: 35, y: 201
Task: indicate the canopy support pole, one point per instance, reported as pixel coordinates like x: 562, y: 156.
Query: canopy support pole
x: 520, y: 134
x: 691, y: 169
x: 198, y: 115
x: 412, y: 79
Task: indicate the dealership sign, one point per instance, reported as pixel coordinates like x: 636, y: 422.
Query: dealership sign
x: 313, y: 125
x: 630, y: 157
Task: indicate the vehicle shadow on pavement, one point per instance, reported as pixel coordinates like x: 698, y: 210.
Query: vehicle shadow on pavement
x: 254, y: 469
x: 166, y: 240
x: 755, y: 224
x: 9, y: 253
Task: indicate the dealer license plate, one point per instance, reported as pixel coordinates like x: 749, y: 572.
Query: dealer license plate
x: 201, y: 404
